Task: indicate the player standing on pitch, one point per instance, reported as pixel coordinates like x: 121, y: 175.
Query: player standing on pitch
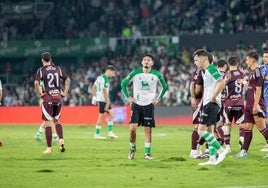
x: 264, y: 69
x: 100, y: 93
x: 255, y: 106
x: 196, y: 92
x: 234, y: 101
x: 213, y: 85
x: 144, y: 99
x: 51, y: 94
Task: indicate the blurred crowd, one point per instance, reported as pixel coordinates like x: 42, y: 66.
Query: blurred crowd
x: 135, y: 18
x: 176, y: 69
x: 130, y: 19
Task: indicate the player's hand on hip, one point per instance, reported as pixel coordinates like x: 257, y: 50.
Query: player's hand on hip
x: 132, y: 100
x: 213, y: 99
x: 155, y: 101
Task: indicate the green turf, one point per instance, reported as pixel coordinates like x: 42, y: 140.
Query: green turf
x: 103, y: 163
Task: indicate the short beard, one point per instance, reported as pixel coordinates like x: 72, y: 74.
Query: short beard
x: 146, y: 67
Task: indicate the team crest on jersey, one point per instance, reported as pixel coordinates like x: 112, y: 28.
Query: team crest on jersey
x: 236, y: 73
x: 145, y: 85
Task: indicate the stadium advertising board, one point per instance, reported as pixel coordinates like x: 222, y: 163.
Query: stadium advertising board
x: 76, y: 47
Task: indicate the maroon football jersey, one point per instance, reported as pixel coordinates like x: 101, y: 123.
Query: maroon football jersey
x: 198, y: 80
x: 255, y: 79
x: 51, y: 76
x: 233, y: 89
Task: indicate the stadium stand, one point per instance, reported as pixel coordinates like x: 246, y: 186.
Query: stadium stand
x: 94, y: 18
x: 46, y: 20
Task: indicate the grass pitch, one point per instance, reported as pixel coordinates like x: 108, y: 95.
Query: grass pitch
x: 103, y: 163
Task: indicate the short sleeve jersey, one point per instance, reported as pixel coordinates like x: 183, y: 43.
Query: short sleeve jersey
x: 197, y: 79
x: 255, y: 80
x: 144, y: 86
x: 50, y: 77
x: 210, y: 78
x: 102, y: 83
x: 234, y: 90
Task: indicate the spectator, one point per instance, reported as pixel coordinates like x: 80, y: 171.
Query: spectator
x: 68, y: 20
x: 176, y: 70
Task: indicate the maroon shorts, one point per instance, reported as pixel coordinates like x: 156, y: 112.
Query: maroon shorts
x: 234, y: 113
x: 249, y: 116
x: 51, y: 110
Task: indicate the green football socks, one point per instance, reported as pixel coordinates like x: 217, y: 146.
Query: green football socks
x: 212, y: 140
x: 110, y: 126
x: 147, y: 147
x: 98, y: 128
x: 40, y: 132
x: 132, y: 145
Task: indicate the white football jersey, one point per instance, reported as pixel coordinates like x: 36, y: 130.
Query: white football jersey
x: 210, y: 78
x: 102, y: 83
x: 144, y: 86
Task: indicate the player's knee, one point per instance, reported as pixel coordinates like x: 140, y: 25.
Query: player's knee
x: 133, y: 127
x: 201, y: 132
